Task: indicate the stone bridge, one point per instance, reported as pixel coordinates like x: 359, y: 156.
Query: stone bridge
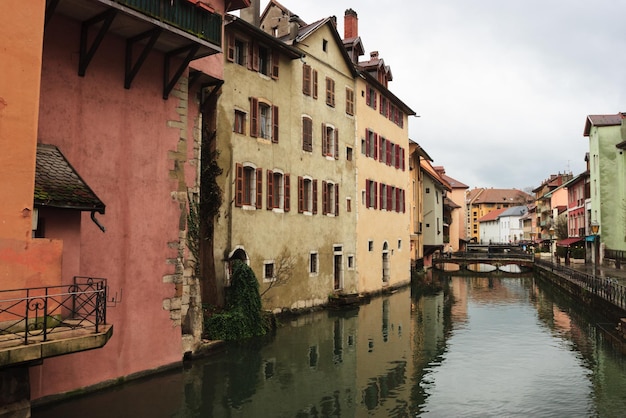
x: 479, y: 262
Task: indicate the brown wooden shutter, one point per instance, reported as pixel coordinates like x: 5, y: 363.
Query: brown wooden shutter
x: 367, y: 142
x: 307, y: 134
x: 259, y: 188
x: 300, y: 194
x: 376, y: 146
x: 275, y: 64
x: 238, y: 185
x: 336, y: 144
x: 367, y: 95
x: 403, y: 162
x: 336, y: 200
x: 306, y: 79
x: 388, y: 152
x: 249, y: 61
x: 275, y: 123
x: 324, y: 140
x: 367, y: 193
x: 403, y: 201
x: 230, y: 39
x: 270, y: 190
x: 381, y: 195
x: 314, y: 84
x: 314, y: 197
x: 389, y: 197
x: 324, y: 198
x: 254, y: 117
x: 374, y: 100
x: 255, y: 56
x: 287, y: 204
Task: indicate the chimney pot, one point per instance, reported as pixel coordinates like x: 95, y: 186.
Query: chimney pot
x: 350, y: 24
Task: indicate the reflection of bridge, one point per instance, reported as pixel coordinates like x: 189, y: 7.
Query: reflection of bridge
x: 472, y: 261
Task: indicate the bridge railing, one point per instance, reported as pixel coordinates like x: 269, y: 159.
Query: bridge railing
x: 605, y: 287
x: 35, y: 313
x: 486, y: 255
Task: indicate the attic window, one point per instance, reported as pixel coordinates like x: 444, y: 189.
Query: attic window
x: 325, y: 45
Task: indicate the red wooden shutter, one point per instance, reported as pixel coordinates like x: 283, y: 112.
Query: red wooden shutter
x: 403, y: 201
x: 275, y: 122
x: 388, y: 152
x: 230, y: 39
x: 287, y: 181
x: 324, y: 198
x: 259, y: 188
x: 374, y: 100
x: 336, y: 144
x: 314, y: 197
x: 397, y: 156
x: 238, y: 185
x: 403, y: 163
x: 336, y: 200
x: 254, y: 117
x: 275, y: 64
x: 300, y: 194
x: 375, y: 197
x: 367, y: 142
x: 376, y: 146
x: 367, y: 193
x: 270, y: 190
x: 381, y: 195
x: 314, y: 84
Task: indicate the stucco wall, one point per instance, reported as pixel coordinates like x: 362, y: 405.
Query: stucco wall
x: 122, y: 142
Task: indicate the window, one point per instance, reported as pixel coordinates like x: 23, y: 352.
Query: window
x: 370, y: 97
x: 383, y: 197
x: 330, y: 141
x: 350, y: 262
x: 384, y: 144
x: 384, y: 109
x: 370, y: 193
x: 309, y: 81
x: 349, y: 153
x: 370, y: 245
x: 263, y: 120
x: 264, y: 60
x: 330, y: 198
x: 324, y: 45
x: 348, y: 204
x: 330, y: 92
x: 399, y: 244
x: 268, y: 271
x: 277, y: 191
x: 371, y: 144
x: 237, y: 49
x: 248, y: 186
x: 307, y: 134
x: 349, y: 101
x: 240, y: 122
x: 313, y: 263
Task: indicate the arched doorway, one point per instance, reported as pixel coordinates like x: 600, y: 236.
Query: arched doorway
x: 239, y: 253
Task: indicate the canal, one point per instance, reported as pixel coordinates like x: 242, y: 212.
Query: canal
x: 483, y: 346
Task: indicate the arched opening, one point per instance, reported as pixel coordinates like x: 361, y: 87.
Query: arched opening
x: 386, y: 262
x: 239, y: 253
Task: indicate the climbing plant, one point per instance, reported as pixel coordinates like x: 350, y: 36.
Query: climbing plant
x: 242, y: 316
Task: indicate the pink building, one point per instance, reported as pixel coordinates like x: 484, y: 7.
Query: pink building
x: 126, y: 98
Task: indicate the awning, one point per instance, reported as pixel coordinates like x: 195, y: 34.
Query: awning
x: 568, y: 241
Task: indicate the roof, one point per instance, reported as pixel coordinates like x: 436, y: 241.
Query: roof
x: 602, y: 120
x: 231, y: 21
x: 455, y: 184
x: 58, y: 185
x: 428, y: 169
x: 492, y: 216
x: 484, y: 195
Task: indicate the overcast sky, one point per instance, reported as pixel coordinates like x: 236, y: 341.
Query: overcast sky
x: 502, y: 87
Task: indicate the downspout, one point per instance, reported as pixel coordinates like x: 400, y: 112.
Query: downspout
x: 93, y: 218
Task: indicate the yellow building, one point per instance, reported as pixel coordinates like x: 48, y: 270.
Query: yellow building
x: 285, y: 141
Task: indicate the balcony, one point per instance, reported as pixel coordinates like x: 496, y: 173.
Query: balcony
x: 43, y: 322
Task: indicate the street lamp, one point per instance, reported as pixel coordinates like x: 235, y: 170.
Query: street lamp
x: 595, y: 227
x: 551, y: 231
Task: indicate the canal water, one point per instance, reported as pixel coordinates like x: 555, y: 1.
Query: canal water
x: 481, y: 347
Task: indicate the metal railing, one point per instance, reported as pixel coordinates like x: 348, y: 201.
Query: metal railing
x: 36, y: 313
x: 182, y: 14
x: 605, y: 287
x: 472, y: 255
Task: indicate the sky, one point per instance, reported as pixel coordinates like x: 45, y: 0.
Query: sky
x: 502, y: 87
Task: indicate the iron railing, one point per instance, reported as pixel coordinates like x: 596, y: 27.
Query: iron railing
x: 182, y: 14
x: 605, y: 287
x: 472, y: 255
x: 36, y: 313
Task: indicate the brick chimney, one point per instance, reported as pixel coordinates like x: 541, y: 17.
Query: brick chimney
x: 350, y: 25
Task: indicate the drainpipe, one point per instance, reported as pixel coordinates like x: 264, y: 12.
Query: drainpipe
x: 93, y: 218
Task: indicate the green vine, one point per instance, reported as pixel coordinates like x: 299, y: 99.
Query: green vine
x: 243, y: 316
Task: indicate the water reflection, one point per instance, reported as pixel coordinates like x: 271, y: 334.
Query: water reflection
x: 481, y: 346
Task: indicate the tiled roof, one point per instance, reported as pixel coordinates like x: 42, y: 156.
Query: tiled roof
x: 483, y: 195
x: 58, y: 185
x: 602, y: 120
x: 492, y: 216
